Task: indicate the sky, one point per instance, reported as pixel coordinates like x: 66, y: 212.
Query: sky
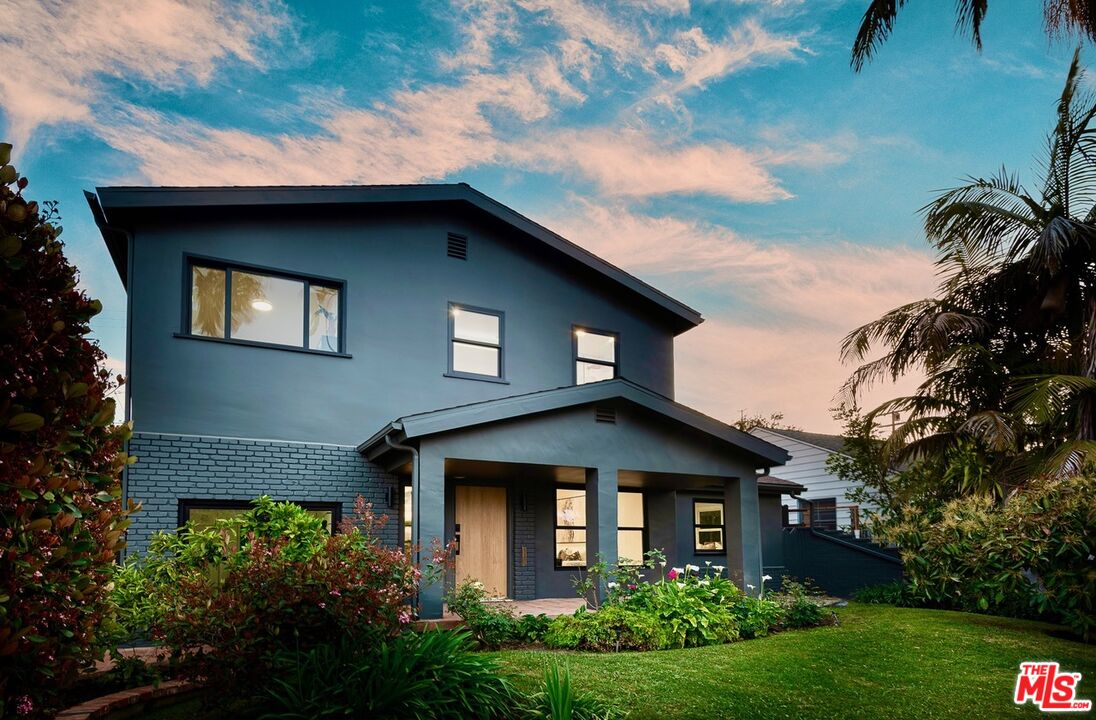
x: 721, y: 150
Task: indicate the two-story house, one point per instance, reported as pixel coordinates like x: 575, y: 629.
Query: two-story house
x: 473, y: 374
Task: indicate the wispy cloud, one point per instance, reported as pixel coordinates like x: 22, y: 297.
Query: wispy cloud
x: 698, y: 60
x: 64, y: 51
x: 772, y: 344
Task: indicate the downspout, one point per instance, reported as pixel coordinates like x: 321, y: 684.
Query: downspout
x: 414, y: 491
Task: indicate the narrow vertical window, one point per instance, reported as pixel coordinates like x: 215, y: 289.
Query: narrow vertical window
x: 570, y: 527
x: 630, y: 528
x: 475, y: 342
x: 207, y: 301
x: 323, y: 318
x: 595, y: 355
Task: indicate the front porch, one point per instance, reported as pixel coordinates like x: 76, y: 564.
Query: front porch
x: 531, y: 492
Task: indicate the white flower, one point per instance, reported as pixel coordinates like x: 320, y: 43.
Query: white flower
x: 680, y: 585
x: 708, y: 562
x: 689, y: 568
x: 610, y: 585
x: 750, y: 586
x: 719, y: 568
x: 679, y: 571
x: 705, y: 582
x: 766, y: 578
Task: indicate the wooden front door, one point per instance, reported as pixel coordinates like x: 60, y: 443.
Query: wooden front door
x: 481, y: 525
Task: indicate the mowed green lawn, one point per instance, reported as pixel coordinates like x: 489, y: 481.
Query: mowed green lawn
x: 881, y: 662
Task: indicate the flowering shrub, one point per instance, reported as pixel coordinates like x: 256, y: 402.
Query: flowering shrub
x: 231, y: 597
x: 694, y: 608
x: 61, y: 521
x: 1032, y: 555
x: 801, y: 610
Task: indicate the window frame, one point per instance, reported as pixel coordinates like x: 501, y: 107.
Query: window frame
x: 190, y: 260
x: 585, y: 528
x: 451, y: 322
x: 576, y: 358
x: 556, y: 527
x: 705, y: 526
x: 643, y: 530
x: 185, y: 505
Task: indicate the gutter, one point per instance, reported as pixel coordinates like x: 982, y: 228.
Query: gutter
x: 415, y: 494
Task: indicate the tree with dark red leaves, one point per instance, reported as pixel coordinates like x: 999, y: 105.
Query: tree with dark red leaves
x: 61, y: 455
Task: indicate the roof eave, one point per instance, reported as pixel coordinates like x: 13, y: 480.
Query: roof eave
x: 132, y: 198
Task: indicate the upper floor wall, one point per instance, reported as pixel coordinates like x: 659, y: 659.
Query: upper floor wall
x: 398, y: 285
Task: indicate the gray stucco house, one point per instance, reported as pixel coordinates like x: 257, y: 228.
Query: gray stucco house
x: 474, y: 375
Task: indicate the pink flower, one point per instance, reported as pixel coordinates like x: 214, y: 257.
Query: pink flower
x: 323, y: 606
x: 672, y: 575
x: 336, y: 593
x: 405, y: 616
x: 631, y: 587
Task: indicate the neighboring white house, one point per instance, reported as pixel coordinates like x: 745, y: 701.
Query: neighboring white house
x: 810, y: 451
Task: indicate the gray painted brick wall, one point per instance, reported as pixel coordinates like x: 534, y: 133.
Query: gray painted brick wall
x: 525, y: 577
x: 174, y: 467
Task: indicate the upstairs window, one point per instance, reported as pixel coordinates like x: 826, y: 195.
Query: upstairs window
x: 264, y: 307
x: 475, y: 342
x: 596, y: 354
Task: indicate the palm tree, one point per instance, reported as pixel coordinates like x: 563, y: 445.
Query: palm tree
x: 1008, y: 348
x: 1059, y: 16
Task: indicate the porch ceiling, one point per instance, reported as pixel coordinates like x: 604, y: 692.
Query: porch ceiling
x: 480, y: 470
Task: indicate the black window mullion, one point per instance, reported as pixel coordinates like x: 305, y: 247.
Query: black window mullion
x: 228, y: 303
x: 478, y: 343
x: 307, y: 320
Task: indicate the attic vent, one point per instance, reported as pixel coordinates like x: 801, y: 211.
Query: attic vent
x: 605, y: 415
x: 458, y: 246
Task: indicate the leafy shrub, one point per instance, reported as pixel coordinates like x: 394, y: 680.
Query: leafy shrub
x: 800, y: 609
x: 492, y: 624
x: 61, y: 521
x: 532, y: 628
x: 612, y: 628
x: 413, y: 675
x: 230, y: 598
x: 694, y: 611
x: 757, y: 616
x: 892, y: 593
x: 1031, y: 555
x: 558, y: 700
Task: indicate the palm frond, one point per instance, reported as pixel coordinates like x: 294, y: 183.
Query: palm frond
x: 875, y: 28
x: 1046, y: 398
x: 993, y: 429
x: 969, y: 15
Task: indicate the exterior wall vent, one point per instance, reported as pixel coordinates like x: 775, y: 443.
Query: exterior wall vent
x: 605, y: 415
x: 458, y: 246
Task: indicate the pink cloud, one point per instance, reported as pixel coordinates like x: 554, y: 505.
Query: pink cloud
x: 54, y: 63
x: 634, y: 163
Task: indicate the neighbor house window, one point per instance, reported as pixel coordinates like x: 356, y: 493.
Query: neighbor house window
x: 205, y: 513
x: 260, y: 306
x: 475, y: 342
x: 595, y: 354
x: 571, y: 527
x: 708, y: 526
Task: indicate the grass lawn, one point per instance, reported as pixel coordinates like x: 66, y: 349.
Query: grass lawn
x: 881, y: 662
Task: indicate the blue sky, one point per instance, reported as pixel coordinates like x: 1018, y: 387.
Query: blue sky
x: 720, y: 149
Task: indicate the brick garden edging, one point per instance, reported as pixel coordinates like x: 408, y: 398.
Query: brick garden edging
x: 102, y: 706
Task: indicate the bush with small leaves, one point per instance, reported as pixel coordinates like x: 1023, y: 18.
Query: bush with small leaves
x: 61, y: 520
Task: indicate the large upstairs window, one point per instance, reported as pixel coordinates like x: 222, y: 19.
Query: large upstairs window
x: 595, y: 355
x: 475, y: 343
x: 265, y: 307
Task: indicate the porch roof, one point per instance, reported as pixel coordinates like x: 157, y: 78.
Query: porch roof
x: 445, y: 420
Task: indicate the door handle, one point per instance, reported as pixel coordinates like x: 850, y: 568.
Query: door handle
x: 456, y: 538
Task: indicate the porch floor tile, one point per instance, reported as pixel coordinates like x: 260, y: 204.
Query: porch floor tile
x: 551, y: 607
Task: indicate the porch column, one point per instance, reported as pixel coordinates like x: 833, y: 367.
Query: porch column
x: 743, y: 523
x: 428, y: 523
x: 601, y: 514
